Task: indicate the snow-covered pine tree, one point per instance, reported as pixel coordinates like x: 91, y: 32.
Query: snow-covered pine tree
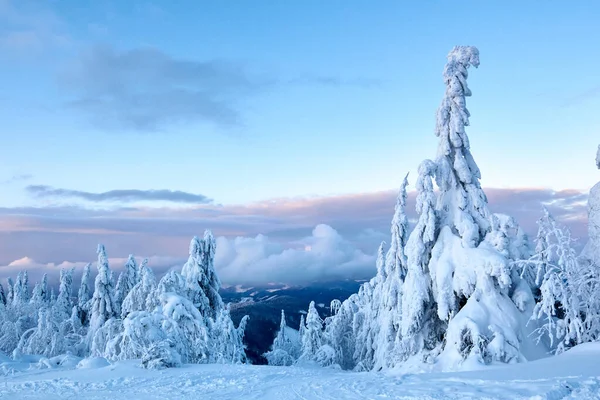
x: 591, y: 252
x: 64, y: 305
x: 20, y: 294
x: 462, y: 204
x: 83, y: 297
x: 202, y: 280
x: 312, y: 339
x: 282, y: 351
x: 452, y: 267
x: 103, y: 304
x: 301, y: 327
x: 10, y: 290
x: 195, y: 275
x: 213, y: 284
x: 140, y: 296
x: 126, y: 281
x: 227, y: 345
x: 2, y: 295
x: 567, y: 310
x: 390, y: 307
x: 40, y: 295
x: 418, y: 324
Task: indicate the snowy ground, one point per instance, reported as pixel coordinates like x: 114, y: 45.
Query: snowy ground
x: 573, y: 375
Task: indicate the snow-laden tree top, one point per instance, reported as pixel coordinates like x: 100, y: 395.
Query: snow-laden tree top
x: 462, y: 204
x: 598, y: 157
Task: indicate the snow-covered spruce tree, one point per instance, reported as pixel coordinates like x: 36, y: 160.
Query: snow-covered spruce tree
x: 140, y: 295
x: 202, y: 280
x: 40, y: 295
x: 10, y: 290
x: 312, y: 339
x: 568, y: 309
x: 227, y: 346
x: 420, y: 328
x: 283, y: 351
x: 2, y: 295
x: 63, y: 305
x: 46, y: 339
x: 301, y: 327
x: 102, y: 304
x: 340, y: 332
x: 388, y: 341
x: 591, y: 252
x: 21, y: 290
x: 457, y: 277
x: 126, y: 281
x: 83, y: 299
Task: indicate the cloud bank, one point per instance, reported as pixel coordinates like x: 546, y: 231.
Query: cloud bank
x: 294, y: 240
x: 126, y: 195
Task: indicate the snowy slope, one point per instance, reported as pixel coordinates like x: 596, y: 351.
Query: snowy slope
x: 572, y: 375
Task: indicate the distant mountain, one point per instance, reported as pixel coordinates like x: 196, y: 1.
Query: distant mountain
x: 264, y: 304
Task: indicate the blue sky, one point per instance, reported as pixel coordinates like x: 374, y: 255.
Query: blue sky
x: 221, y: 107
x: 339, y: 96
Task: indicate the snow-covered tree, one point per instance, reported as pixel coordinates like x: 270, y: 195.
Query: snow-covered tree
x: 202, y: 280
x: 2, y: 295
x: 83, y: 298
x: 126, y: 281
x: 10, y: 290
x: 227, y: 341
x: 138, y: 297
x: 417, y: 299
x: 568, y: 309
x: 103, y: 304
x: 20, y: 294
x: 284, y: 350
x: 461, y: 287
x: 312, y: 338
x: 46, y: 338
x: 462, y: 204
x: 301, y: 327
x: 63, y: 305
x: 40, y: 295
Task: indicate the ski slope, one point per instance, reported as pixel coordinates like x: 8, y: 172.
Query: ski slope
x: 573, y: 375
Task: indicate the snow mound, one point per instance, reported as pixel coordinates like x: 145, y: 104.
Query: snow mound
x: 93, y: 363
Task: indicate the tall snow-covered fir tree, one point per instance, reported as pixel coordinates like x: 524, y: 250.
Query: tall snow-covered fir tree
x: 138, y: 298
x: 10, y: 290
x: 467, y: 279
x: 103, y: 304
x: 199, y: 273
x: 591, y: 252
x: 462, y: 205
x: 283, y: 351
x: 126, y: 281
x: 312, y: 337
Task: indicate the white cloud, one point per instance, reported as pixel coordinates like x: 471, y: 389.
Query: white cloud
x: 321, y: 256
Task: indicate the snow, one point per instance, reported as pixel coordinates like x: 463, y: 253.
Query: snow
x: 571, y: 375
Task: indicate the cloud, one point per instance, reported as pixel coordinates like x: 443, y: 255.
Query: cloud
x: 322, y: 256
x: 28, y: 28
x: 18, y: 178
x: 125, y: 195
x: 55, y: 234
x: 144, y: 89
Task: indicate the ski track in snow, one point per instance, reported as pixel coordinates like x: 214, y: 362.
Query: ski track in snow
x: 126, y: 380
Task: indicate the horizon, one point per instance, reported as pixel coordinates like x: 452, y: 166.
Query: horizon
x: 273, y: 129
